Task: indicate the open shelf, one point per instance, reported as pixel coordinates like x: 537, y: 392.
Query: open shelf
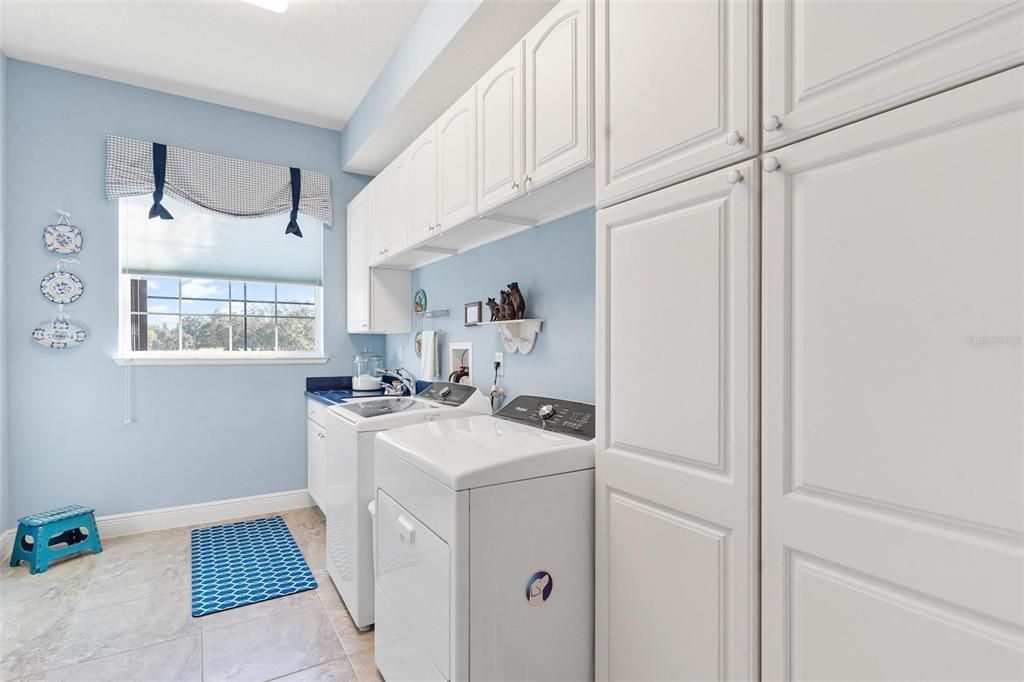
x: 518, y: 336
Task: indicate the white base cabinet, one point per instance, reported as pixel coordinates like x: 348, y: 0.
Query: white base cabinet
x: 316, y: 453
x: 894, y: 394
x: 676, y: 91
x: 677, y: 485
x: 829, y: 63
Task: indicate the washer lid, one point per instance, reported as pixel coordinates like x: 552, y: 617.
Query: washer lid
x: 479, y: 451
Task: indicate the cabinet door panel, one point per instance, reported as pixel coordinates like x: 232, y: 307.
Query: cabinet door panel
x: 674, y: 81
x: 499, y: 104
x: 559, y: 109
x: 378, y: 208
x: 456, y: 148
x: 358, y: 265
x: 422, y: 161
x: 677, y: 511
x: 399, y: 205
x: 829, y: 63
x: 893, y: 399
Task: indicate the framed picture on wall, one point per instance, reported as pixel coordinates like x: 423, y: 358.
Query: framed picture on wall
x: 474, y: 313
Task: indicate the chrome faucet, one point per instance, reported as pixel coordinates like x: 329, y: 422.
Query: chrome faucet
x: 406, y: 379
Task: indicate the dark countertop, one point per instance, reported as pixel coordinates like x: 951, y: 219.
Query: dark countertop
x: 333, y: 390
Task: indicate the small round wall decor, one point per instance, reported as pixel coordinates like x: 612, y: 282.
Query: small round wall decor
x: 61, y: 286
x: 420, y: 301
x: 59, y: 333
x: 62, y: 237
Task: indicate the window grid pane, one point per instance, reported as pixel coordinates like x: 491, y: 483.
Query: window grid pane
x: 249, y: 317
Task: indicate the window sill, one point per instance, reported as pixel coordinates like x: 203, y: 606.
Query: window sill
x: 185, y: 359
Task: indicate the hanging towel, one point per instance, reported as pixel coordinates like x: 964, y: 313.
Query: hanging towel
x: 430, y: 366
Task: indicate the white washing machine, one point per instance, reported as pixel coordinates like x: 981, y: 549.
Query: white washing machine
x: 485, y: 546
x: 351, y: 428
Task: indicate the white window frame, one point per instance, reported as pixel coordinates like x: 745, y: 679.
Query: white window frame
x: 126, y: 356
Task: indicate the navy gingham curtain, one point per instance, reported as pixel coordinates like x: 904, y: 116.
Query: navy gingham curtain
x: 219, y: 184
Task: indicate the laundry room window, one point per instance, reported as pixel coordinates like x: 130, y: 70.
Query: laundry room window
x: 203, y: 288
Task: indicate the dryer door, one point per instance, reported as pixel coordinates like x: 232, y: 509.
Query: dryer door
x: 414, y: 575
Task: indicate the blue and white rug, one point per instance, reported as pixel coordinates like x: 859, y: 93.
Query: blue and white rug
x: 244, y: 563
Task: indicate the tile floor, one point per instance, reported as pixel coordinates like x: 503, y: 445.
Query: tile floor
x: 125, y: 615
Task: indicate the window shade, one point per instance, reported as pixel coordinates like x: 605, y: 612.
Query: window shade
x: 200, y: 244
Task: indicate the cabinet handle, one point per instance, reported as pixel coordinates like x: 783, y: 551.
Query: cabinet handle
x: 312, y: 413
x: 773, y: 122
x: 733, y: 138
x: 364, y: 325
x: 733, y: 176
x: 771, y: 164
x: 320, y: 436
x: 515, y: 185
x: 430, y: 228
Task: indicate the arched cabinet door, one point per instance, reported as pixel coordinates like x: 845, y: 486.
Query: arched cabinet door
x: 893, y: 257
x: 559, y: 104
x: 456, y: 154
x: 829, y: 63
x: 421, y: 160
x: 499, y: 115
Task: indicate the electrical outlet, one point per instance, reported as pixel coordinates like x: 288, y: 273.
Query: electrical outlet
x: 500, y: 359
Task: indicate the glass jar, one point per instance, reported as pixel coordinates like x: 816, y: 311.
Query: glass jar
x: 364, y: 370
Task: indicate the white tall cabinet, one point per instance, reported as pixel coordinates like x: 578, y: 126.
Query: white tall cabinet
x: 894, y: 394
x: 827, y: 278
x: 676, y: 91
x: 677, y: 481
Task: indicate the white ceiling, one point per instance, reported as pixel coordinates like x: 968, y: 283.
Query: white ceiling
x: 313, y: 63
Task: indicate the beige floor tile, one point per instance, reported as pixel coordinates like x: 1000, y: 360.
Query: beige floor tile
x: 116, y: 628
x: 179, y: 660
x: 351, y: 637
x: 135, y: 578
x: 30, y: 641
x: 366, y: 669
x: 302, y: 601
x: 338, y: 670
x: 269, y: 647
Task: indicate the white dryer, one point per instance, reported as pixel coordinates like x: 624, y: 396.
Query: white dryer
x: 351, y: 429
x: 485, y: 546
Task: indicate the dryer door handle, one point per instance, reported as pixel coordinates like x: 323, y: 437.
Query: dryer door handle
x: 406, y: 531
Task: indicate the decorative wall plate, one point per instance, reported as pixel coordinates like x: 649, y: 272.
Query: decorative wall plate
x: 61, y: 286
x: 62, y: 238
x: 419, y: 300
x: 418, y: 342
x: 59, y: 333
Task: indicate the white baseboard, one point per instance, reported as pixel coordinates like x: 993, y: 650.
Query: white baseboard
x: 188, y: 515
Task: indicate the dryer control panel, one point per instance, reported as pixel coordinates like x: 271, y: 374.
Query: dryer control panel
x: 567, y: 417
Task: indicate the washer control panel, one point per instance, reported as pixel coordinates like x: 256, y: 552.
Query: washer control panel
x: 551, y: 414
x: 446, y: 393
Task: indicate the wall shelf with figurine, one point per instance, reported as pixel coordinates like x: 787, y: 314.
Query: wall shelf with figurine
x: 517, y: 335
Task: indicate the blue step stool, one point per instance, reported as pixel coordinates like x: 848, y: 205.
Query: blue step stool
x: 53, y: 534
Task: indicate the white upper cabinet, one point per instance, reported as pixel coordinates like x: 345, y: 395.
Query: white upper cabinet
x: 396, y: 197
x: 676, y: 91
x: 499, y: 115
x: 421, y: 158
x: 829, y: 63
x: 378, y: 216
x: 456, y: 162
x: 358, y: 260
x: 559, y: 104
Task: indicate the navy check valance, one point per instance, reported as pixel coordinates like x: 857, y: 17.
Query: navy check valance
x: 231, y: 187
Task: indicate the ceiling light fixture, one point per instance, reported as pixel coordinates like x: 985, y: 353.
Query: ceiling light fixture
x: 278, y: 6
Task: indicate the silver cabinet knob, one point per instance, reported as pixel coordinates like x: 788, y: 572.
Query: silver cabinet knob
x: 771, y: 164
x: 733, y: 176
x: 772, y: 123
x: 515, y: 185
x: 733, y: 138
x: 438, y: 226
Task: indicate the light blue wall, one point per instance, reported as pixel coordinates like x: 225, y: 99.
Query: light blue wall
x: 433, y: 29
x: 201, y: 433
x: 554, y: 265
